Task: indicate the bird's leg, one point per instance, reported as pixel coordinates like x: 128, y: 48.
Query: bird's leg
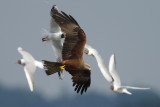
x: 60, y: 74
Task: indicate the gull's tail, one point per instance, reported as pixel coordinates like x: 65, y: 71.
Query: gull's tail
x: 53, y: 67
x: 127, y: 92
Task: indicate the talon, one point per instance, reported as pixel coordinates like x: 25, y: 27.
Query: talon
x: 62, y: 67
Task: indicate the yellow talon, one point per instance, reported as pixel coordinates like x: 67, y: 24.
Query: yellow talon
x: 62, y: 67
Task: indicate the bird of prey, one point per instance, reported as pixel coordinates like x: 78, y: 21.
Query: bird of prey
x: 72, y: 52
x: 30, y: 65
x: 110, y: 75
x: 55, y: 37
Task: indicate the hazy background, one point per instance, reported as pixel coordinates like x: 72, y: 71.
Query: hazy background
x: 130, y: 29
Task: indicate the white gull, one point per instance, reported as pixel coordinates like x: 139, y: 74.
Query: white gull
x: 30, y: 65
x: 111, y: 75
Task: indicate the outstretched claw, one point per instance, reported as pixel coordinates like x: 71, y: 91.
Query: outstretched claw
x: 62, y: 67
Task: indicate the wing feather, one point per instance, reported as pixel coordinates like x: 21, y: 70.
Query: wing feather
x: 81, y: 80
x: 75, y: 40
x: 100, y: 62
x: 73, y: 47
x: 137, y: 88
x: 113, y: 72
x: 29, y: 71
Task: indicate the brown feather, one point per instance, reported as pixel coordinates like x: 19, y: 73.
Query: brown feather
x: 81, y: 81
x: 72, y: 52
x: 52, y: 67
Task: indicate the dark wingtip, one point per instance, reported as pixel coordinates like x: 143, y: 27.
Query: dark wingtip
x: 54, y: 9
x: 53, y: 6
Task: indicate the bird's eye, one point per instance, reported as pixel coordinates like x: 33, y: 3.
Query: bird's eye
x: 63, y: 36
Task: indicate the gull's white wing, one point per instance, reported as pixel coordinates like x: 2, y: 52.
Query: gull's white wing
x: 29, y: 71
x: 56, y: 43
x: 100, y: 62
x: 55, y: 36
x: 113, y: 72
x: 54, y: 27
x: 137, y: 88
x: 57, y: 47
x: 26, y: 56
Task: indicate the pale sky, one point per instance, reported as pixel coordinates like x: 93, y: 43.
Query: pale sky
x: 130, y: 29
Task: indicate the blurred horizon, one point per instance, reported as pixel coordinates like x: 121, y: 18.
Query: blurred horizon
x: 22, y: 97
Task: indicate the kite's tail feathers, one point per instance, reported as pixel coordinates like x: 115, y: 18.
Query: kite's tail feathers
x: 52, y: 67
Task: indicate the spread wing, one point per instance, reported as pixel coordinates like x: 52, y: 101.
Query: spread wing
x: 101, y: 65
x: 137, y: 88
x: 57, y: 47
x: 26, y: 56
x: 75, y: 40
x: 54, y: 27
x: 113, y: 72
x: 29, y: 71
x: 73, y: 47
x: 81, y: 80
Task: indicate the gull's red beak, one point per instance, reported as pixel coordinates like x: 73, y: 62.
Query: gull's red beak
x: 44, y: 39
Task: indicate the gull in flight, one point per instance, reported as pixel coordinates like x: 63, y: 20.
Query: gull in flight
x: 30, y: 65
x: 92, y: 52
x: 110, y: 75
x: 55, y: 37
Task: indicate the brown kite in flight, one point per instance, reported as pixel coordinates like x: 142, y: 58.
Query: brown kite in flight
x: 72, y: 52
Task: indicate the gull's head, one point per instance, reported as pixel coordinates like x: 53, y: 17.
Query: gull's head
x: 18, y: 62
x: 21, y: 62
x: 88, y: 52
x: 112, y: 87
